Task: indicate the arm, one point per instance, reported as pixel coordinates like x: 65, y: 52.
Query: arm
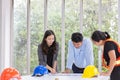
x: 55, y: 65
x: 41, y: 57
x: 70, y: 58
x: 112, y: 57
x: 89, y: 53
x: 51, y: 69
x: 55, y: 58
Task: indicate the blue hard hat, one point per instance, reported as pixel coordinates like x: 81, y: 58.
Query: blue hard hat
x: 40, y: 70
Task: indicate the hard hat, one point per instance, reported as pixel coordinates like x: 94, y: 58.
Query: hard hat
x: 90, y: 71
x: 40, y: 70
x: 9, y: 74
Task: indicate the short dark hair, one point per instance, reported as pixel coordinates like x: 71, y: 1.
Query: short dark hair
x: 77, y: 37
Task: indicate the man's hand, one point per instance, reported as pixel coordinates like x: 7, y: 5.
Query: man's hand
x: 66, y: 71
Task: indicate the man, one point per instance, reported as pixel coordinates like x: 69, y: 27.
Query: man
x: 80, y: 53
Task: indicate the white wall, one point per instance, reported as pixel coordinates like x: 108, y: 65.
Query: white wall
x: 0, y: 32
x: 4, y: 34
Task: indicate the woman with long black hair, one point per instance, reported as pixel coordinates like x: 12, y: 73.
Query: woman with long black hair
x: 111, y: 54
x: 48, y: 51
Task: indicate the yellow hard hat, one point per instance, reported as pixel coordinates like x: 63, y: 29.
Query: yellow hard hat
x: 90, y: 71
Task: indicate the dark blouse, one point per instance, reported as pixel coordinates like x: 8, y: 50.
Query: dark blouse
x: 109, y: 45
x: 47, y: 59
x: 50, y: 59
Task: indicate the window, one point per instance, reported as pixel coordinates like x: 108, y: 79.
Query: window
x: 20, y: 36
x: 49, y: 16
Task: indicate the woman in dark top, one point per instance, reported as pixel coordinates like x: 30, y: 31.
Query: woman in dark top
x: 48, y: 51
x: 111, y: 54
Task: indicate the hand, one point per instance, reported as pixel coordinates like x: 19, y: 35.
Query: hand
x: 53, y: 71
x: 66, y: 71
x: 105, y: 73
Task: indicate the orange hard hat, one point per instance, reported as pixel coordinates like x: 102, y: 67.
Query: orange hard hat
x: 10, y: 73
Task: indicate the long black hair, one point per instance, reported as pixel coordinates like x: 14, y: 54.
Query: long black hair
x: 99, y: 35
x: 45, y: 48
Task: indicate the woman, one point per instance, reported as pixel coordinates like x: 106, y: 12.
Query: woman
x: 48, y: 51
x: 111, y: 54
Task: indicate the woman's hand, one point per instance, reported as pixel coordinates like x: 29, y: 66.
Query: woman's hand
x: 105, y: 73
x: 53, y: 71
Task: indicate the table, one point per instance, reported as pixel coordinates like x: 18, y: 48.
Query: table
x: 61, y: 76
